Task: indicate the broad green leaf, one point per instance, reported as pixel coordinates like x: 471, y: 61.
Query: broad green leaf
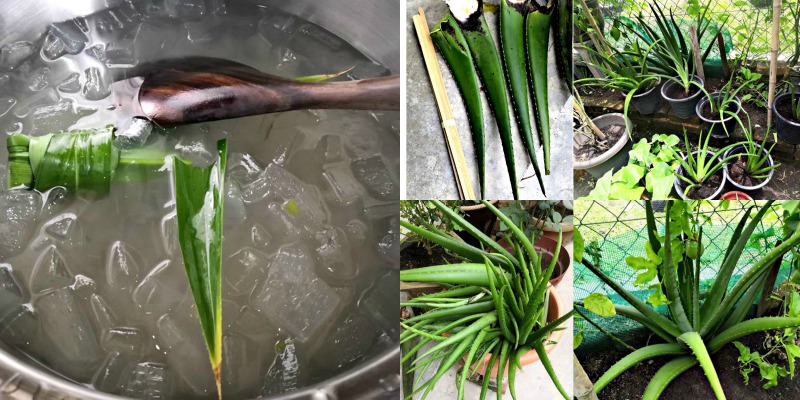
x: 199, y: 202
x: 792, y: 352
x: 631, y: 175
x: 600, y: 305
x: 657, y: 298
x: 577, y: 340
x: 602, y: 189
x: 647, y: 269
x: 577, y: 245
x: 621, y: 191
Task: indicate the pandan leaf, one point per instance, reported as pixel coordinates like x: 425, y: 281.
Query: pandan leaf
x: 198, y: 202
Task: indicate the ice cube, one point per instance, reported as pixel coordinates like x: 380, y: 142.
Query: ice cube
x: 239, y: 377
x: 380, y: 302
x: 282, y: 375
x: 293, y: 297
x: 368, y: 69
x: 373, y: 173
x: 135, y: 135
x: 98, y: 84
x: 342, y: 187
x: 357, y: 230
x: 169, y: 233
x: 5, y: 105
x: 114, y: 371
x: 389, y: 246
x: 62, y: 230
x: 59, y: 116
x: 277, y: 25
x: 120, y: 58
x: 72, y: 84
x: 50, y: 271
x: 65, y: 323
x: 334, y: 261
x: 122, y: 267
x: 117, y: 18
x: 13, y: 54
x: 39, y: 79
x: 198, y: 148
x: 186, y: 9
x: 97, y: 51
x: 181, y: 340
x: 282, y: 142
x: 101, y: 315
x: 235, y: 211
x: 260, y: 236
x: 71, y: 34
x: 83, y: 286
x: 252, y: 323
x: 243, y: 168
x: 42, y: 98
x: 19, y: 326
x: 279, y: 222
x: 17, y: 210
x: 149, y: 380
x: 330, y: 148
x: 349, y: 341
x: 162, y: 289
x: 11, y: 294
x: 244, y: 269
x: 53, y: 48
x: 378, y: 211
x: 124, y: 340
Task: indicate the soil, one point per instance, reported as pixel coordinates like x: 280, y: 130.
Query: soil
x: 708, y: 189
x: 592, y: 150
x: 677, y: 93
x: 712, y: 116
x: 692, y: 384
x: 737, y: 172
x: 785, y: 110
x: 416, y: 256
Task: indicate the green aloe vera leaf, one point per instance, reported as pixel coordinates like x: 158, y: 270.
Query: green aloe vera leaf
x: 456, y: 274
x: 455, y: 313
x: 537, y: 37
x: 636, y: 315
x: 751, y: 326
x: 199, y: 198
x: 322, y: 77
x: 695, y: 342
x: 450, y: 41
x: 485, y: 321
x: 488, y: 375
x: 455, y: 355
x: 548, y: 366
x: 485, y: 240
x: 665, y: 375
x: 464, y: 250
x: 514, y: 367
x: 512, y: 45
x: 562, y: 35
x: 501, y: 369
x: 645, y: 353
x: 487, y: 61
x: 670, y: 280
x: 479, y: 340
x: 541, y: 333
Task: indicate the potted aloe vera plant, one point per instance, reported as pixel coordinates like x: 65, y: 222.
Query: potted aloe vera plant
x: 786, y: 108
x: 697, y: 323
x: 701, y: 175
x: 752, y: 166
x: 499, y: 308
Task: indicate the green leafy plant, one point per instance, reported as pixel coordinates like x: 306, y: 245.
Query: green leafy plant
x: 651, y: 166
x: 519, y: 215
x: 496, y: 304
x: 756, y: 93
x: 697, y: 324
x: 699, y: 168
x: 425, y: 214
x: 795, y: 104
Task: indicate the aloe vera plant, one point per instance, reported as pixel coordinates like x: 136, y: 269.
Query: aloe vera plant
x: 512, y: 40
x: 696, y: 325
x: 468, y: 14
x: 496, y: 304
x: 699, y: 168
x: 537, y: 40
x: 450, y: 41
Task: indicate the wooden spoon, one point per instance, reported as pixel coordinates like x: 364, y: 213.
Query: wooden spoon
x: 197, y: 89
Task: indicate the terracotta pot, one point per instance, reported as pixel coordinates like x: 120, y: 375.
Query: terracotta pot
x: 735, y: 196
x: 552, y: 233
x: 547, y: 246
x: 555, y: 309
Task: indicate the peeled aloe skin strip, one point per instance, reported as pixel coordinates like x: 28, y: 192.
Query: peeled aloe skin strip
x: 512, y: 44
x: 537, y: 38
x: 449, y: 39
x: 469, y: 16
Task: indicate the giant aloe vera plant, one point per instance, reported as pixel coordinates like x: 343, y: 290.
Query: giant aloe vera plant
x: 696, y: 325
x: 496, y: 304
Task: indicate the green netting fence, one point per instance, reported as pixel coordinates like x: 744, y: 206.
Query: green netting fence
x: 618, y: 229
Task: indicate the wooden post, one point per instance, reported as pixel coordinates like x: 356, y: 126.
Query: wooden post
x: 698, y: 61
x: 773, y: 61
x: 726, y: 68
x: 584, y: 388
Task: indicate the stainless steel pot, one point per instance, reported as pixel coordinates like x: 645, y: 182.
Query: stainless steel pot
x: 372, y: 27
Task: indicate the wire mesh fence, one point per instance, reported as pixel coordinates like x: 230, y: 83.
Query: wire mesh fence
x: 617, y: 229
x: 740, y: 20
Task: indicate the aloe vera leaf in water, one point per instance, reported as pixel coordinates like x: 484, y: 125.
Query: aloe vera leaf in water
x: 198, y: 202
x: 469, y: 15
x: 537, y: 37
x: 512, y: 44
x: 449, y: 39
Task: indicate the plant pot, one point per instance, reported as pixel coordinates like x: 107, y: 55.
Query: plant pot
x: 547, y: 246
x: 683, y: 108
x: 480, y: 217
x: 738, y: 150
x: 552, y: 233
x: 788, y: 131
x: 650, y: 101
x: 555, y: 309
x: 614, y: 158
x: 719, y: 128
x: 735, y: 196
x: 679, y: 183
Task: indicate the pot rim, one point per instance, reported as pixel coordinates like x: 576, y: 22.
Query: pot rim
x: 678, y: 183
x: 638, y: 96
x: 738, y: 185
x: 705, y: 100
x: 778, y: 98
x: 737, y: 193
x: 476, y: 206
x: 670, y: 82
x: 608, y: 154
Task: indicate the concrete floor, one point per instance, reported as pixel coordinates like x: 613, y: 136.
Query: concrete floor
x: 533, y: 381
x: 429, y: 174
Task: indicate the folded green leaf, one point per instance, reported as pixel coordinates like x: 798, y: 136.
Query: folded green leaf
x: 537, y: 36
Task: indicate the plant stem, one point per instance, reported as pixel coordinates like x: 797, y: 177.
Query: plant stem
x: 603, y: 331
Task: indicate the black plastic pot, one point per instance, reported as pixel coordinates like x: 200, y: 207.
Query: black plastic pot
x: 719, y: 128
x: 683, y: 108
x: 741, y: 149
x: 679, y: 184
x: 650, y: 101
x: 788, y: 131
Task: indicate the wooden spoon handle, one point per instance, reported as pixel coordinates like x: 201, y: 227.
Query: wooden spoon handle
x: 176, y: 96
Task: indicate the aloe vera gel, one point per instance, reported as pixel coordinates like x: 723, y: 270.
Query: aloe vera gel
x: 92, y: 278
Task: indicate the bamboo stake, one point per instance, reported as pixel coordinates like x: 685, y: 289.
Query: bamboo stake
x: 457, y: 159
x: 773, y: 61
x: 698, y: 63
x: 594, y: 36
x: 726, y: 68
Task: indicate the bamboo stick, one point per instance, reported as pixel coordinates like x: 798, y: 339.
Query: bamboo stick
x: 698, y: 63
x: 773, y: 61
x: 457, y: 159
